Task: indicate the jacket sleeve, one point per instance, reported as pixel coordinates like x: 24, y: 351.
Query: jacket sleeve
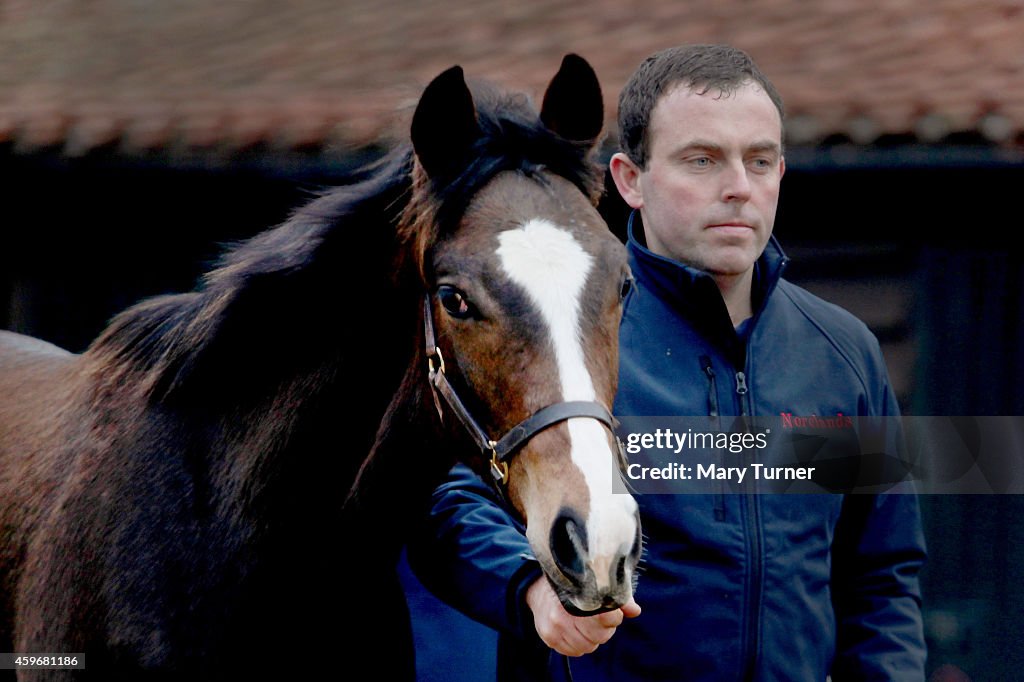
x: 472, y: 554
x: 877, y: 555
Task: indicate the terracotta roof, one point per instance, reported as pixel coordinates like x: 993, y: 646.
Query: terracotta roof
x: 195, y: 74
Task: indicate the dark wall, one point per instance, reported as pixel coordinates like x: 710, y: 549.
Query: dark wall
x: 85, y: 239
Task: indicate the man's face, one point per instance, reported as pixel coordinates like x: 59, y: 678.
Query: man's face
x: 709, y: 192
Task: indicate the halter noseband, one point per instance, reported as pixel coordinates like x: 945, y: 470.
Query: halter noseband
x: 502, y: 450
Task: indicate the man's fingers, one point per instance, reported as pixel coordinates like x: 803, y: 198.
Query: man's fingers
x: 630, y: 609
x: 575, y: 644
x: 571, y: 635
x: 574, y: 636
x: 609, y: 619
x: 596, y: 635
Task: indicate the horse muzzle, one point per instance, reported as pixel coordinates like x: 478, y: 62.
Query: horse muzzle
x: 590, y: 580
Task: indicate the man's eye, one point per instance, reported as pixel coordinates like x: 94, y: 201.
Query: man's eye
x: 454, y: 302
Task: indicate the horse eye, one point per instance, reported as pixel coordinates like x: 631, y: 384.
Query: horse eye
x: 625, y: 287
x: 454, y: 302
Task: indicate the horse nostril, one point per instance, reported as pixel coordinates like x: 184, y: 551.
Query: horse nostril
x: 569, y: 546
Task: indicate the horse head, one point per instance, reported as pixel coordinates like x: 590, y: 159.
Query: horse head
x: 523, y: 286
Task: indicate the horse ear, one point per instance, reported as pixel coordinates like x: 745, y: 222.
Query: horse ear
x: 444, y: 126
x: 573, y: 106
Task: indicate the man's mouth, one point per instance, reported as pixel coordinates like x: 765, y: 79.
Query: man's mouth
x: 733, y: 229
x: 736, y: 224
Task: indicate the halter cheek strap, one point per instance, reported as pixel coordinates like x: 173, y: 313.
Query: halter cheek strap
x: 504, y: 449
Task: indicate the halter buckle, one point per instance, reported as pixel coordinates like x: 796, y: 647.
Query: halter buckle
x: 433, y: 356
x: 499, y: 469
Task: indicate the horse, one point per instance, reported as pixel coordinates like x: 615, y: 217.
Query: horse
x: 218, y: 487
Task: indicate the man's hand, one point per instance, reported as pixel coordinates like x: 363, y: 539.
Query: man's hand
x: 567, y: 634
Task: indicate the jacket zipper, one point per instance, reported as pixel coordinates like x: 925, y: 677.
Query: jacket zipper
x: 741, y: 390
x: 752, y: 511
x: 714, y: 412
x: 705, y: 362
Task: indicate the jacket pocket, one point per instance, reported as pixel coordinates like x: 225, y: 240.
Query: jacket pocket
x: 714, y: 413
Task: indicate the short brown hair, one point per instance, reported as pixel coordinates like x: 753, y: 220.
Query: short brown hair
x: 704, y: 67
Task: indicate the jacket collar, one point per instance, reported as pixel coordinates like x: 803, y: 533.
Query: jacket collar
x: 683, y: 285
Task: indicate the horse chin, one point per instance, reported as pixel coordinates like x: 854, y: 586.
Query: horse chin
x: 574, y: 610
x: 586, y: 601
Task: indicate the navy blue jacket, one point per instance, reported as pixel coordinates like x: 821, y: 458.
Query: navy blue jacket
x: 787, y: 588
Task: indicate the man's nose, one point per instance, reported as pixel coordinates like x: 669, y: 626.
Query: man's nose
x: 735, y: 182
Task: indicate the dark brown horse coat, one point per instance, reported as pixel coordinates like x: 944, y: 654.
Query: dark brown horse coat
x: 172, y: 498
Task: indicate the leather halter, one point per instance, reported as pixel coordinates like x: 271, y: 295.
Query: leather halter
x: 502, y: 450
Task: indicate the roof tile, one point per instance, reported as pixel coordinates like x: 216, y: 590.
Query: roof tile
x: 317, y: 72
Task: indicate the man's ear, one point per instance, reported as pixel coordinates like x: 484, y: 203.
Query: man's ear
x: 626, y: 175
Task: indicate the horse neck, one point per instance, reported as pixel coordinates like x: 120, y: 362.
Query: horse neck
x: 256, y: 372
x: 316, y: 430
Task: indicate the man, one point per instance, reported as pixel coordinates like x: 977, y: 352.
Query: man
x: 735, y: 587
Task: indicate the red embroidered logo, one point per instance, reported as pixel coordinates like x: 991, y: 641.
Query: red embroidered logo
x: 792, y: 421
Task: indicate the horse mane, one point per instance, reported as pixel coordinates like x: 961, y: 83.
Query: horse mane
x: 274, y: 305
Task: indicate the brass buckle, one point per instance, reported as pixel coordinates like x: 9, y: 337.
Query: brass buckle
x: 499, y: 469
x: 440, y: 362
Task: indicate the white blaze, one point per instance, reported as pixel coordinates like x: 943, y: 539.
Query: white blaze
x: 551, y: 266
